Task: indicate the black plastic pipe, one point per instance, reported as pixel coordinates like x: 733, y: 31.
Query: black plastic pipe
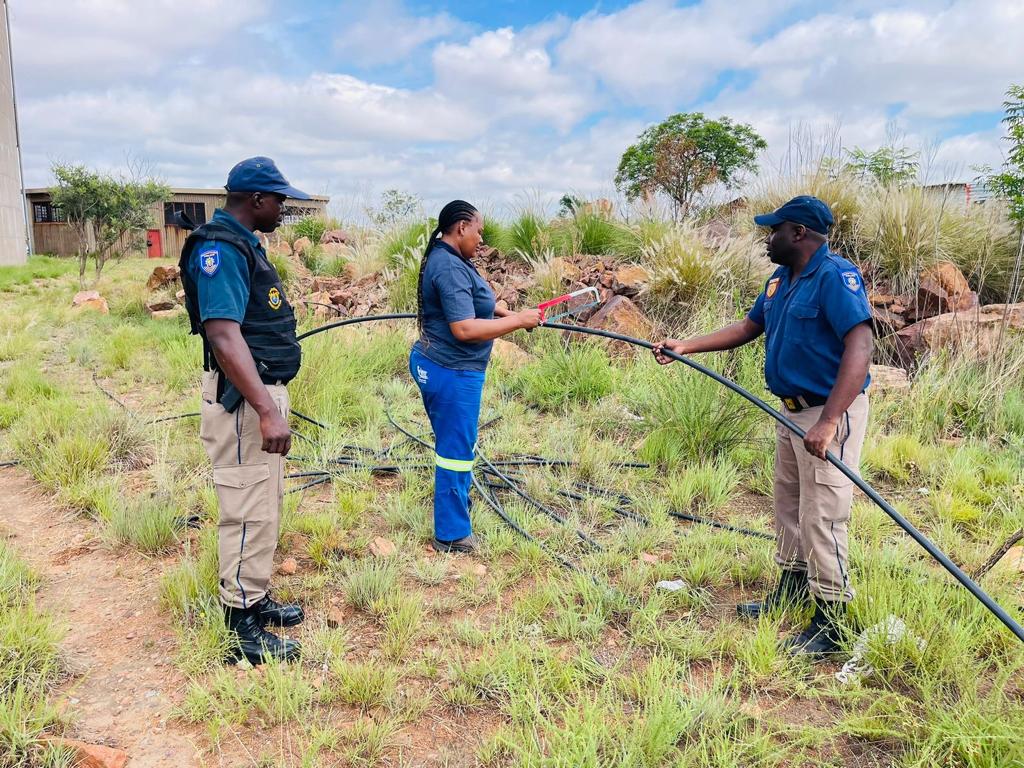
x: 938, y: 555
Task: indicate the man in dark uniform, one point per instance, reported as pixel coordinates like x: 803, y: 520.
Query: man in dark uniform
x: 816, y: 320
x: 236, y: 303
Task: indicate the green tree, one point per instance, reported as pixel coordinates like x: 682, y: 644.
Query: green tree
x: 396, y: 207
x: 1009, y: 182
x: 889, y: 166
x: 108, y: 214
x: 686, y: 156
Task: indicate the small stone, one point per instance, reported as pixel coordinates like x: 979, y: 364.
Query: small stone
x: 1012, y: 561
x: 671, y: 586
x: 166, y: 314
x: 160, y: 306
x: 288, y: 566
x: 163, y: 276
x: 381, y: 547
x: 648, y: 558
x: 91, y: 300
x: 478, y: 569
x: 92, y: 755
x: 335, y: 618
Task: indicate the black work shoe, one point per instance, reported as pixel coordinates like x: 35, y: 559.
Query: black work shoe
x: 791, y: 591
x: 823, y: 635
x: 279, y: 614
x: 467, y: 544
x: 253, y: 642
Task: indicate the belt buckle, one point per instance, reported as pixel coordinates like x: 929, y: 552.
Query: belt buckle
x: 792, y: 404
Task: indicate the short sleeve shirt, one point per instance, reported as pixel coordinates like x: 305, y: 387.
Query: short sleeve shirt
x: 221, y: 274
x: 805, y: 323
x: 452, y: 291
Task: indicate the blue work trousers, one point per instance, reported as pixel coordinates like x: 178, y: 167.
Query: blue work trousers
x: 452, y: 400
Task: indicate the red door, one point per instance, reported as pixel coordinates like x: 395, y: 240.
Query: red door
x: 154, y: 246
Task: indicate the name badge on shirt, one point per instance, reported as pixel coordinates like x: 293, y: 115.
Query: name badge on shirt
x: 209, y: 262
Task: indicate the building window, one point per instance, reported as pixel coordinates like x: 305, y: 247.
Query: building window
x: 196, y: 212
x: 46, y: 213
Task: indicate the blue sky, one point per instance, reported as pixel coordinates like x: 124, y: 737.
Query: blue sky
x: 497, y: 102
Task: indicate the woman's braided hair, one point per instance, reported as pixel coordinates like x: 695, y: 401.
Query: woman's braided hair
x: 450, y: 215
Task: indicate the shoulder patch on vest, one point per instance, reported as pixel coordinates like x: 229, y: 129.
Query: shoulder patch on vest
x: 274, y: 298
x: 852, y: 281
x: 209, y: 262
x: 773, y: 286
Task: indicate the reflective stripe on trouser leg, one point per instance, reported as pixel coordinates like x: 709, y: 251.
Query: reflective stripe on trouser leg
x: 250, y: 487
x: 452, y: 401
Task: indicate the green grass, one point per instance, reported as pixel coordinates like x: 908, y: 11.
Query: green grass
x: 526, y: 663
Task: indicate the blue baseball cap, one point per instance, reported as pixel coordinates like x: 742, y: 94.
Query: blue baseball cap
x: 260, y: 174
x: 806, y: 210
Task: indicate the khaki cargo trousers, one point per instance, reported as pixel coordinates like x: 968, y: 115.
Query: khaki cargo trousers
x: 813, y: 499
x: 250, y: 492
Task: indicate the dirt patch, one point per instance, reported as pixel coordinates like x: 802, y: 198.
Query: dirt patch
x: 119, y: 647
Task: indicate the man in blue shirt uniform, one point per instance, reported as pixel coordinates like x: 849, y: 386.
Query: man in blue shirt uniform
x: 236, y: 303
x: 816, y: 319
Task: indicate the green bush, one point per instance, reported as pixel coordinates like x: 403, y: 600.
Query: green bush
x: 561, y: 378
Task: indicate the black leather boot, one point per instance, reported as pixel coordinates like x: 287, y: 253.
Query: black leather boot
x: 791, y: 591
x: 824, y: 634
x: 252, y: 641
x: 279, y: 614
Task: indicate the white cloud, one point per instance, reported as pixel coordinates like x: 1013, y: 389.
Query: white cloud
x: 387, y: 33
x: 110, y: 41
x: 655, y: 52
x: 511, y: 75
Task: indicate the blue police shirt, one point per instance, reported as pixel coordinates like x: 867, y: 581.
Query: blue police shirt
x: 806, y: 321
x: 452, y: 291
x: 221, y: 274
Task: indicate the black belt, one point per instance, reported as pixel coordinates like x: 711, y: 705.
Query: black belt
x: 797, y: 403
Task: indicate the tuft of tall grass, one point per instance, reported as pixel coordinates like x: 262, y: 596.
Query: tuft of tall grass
x: 576, y: 376
x: 691, y: 268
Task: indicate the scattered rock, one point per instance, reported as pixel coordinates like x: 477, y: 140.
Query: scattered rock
x: 160, y: 306
x: 91, y: 300
x: 977, y: 332
x: 288, y: 566
x: 163, y: 276
x: 671, y: 586
x: 335, y: 236
x: 630, y: 280
x: 478, y: 569
x: 564, y: 269
x: 167, y: 314
x: 943, y: 288
x: 381, y: 547
x: 180, y: 296
x: 512, y: 356
x: 886, y: 378
x: 886, y: 322
x: 621, y: 315
x: 335, y: 618
x: 880, y: 299
x: 92, y: 755
x: 301, y: 246
x: 649, y: 558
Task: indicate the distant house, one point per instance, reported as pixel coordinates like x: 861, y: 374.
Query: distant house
x: 966, y: 192
x: 52, y: 234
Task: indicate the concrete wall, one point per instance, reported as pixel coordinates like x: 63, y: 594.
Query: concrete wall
x: 13, y: 233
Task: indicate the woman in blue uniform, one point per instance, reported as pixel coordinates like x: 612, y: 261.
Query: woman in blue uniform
x: 457, y: 322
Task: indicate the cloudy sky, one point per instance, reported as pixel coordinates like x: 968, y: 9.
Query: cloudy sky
x: 500, y: 102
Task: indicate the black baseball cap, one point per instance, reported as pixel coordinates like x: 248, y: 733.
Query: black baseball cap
x: 260, y: 174
x: 805, y: 209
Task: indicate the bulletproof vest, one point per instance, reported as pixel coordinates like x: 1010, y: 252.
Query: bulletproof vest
x: 268, y: 326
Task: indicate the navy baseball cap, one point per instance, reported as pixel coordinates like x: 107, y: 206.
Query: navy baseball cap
x: 806, y: 210
x: 260, y: 174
